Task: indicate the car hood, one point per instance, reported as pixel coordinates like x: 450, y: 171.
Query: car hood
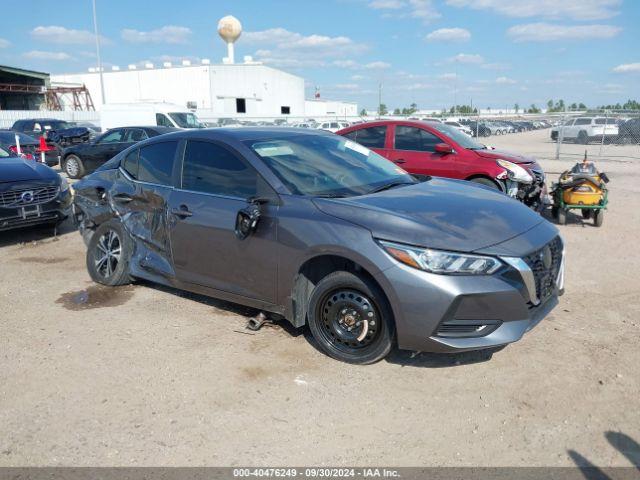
x: 510, y: 156
x: 15, y: 169
x: 439, y: 213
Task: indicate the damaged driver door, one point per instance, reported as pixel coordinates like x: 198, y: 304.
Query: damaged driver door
x: 216, y: 185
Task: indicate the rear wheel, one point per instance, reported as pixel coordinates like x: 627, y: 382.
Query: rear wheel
x: 583, y: 139
x: 73, y: 166
x: 350, y: 319
x: 108, y: 254
x: 598, y: 218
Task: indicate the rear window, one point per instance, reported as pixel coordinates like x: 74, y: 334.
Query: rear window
x: 605, y: 121
x: 583, y: 121
x: 155, y: 163
x: 371, y: 137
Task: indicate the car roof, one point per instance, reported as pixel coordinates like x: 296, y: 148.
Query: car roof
x: 247, y: 133
x: 9, y: 136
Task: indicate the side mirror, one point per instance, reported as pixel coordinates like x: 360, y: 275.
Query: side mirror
x: 247, y: 219
x: 443, y: 148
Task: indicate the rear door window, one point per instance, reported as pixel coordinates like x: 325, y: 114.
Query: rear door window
x: 583, y: 121
x: 163, y: 121
x: 130, y: 164
x: 211, y: 168
x: 135, y: 135
x: 155, y: 163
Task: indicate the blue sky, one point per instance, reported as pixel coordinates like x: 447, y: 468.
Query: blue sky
x: 493, y: 52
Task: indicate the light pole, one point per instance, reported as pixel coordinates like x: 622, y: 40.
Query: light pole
x: 95, y: 28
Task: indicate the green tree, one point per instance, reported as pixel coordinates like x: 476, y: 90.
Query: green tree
x: 363, y: 113
x: 550, y: 105
x: 516, y: 107
x: 397, y: 111
x: 582, y: 106
x: 382, y: 109
x: 533, y: 109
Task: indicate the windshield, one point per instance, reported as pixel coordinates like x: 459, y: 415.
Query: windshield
x: 457, y: 136
x: 186, y: 120
x: 319, y: 165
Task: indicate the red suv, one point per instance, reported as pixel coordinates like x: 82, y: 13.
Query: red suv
x: 436, y: 149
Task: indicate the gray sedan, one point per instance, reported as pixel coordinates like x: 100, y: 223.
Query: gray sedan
x: 323, y: 232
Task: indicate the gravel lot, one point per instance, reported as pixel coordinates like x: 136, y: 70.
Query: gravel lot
x: 144, y: 375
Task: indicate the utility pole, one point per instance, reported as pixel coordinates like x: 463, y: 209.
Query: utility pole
x: 95, y: 28
x: 379, y: 99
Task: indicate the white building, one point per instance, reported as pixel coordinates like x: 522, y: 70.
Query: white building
x: 246, y: 89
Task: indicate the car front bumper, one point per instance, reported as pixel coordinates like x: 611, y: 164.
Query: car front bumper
x: 54, y: 211
x: 448, y: 314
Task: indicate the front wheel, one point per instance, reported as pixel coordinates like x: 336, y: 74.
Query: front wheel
x: 108, y: 254
x: 598, y: 218
x: 486, y: 182
x: 350, y: 319
x: 73, y: 166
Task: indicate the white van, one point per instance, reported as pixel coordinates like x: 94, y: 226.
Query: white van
x: 115, y: 115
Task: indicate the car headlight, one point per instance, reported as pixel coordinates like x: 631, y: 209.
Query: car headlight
x: 64, y: 184
x: 440, y: 261
x: 515, y: 172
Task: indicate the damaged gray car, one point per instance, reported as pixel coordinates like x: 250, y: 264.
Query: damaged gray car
x: 321, y: 231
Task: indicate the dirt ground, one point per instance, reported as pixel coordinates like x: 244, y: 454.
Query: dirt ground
x: 144, y: 375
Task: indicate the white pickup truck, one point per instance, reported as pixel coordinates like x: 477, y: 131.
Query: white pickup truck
x: 586, y: 129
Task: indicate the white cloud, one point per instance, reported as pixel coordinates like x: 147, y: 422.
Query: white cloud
x: 377, y: 65
x: 449, y: 35
x: 628, y: 68
x: 386, y: 4
x: 448, y: 76
x: 42, y: 55
x: 495, y: 66
x: 4, y: 43
x: 423, y: 10
x: 547, y: 32
x: 505, y: 81
x: 553, y: 9
x: 417, y: 86
x: 346, y: 86
x: 172, y: 34
x: 612, y: 88
x: 467, y: 58
x: 65, y: 36
x: 357, y: 77
x: 283, y: 48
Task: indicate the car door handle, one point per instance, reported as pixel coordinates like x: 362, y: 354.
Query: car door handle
x: 182, y: 212
x: 400, y: 160
x: 122, y: 197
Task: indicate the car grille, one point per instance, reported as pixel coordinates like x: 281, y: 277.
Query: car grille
x: 35, y: 195
x: 545, y: 277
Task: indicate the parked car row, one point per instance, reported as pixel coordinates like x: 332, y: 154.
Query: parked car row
x: 585, y: 130
x: 486, y: 128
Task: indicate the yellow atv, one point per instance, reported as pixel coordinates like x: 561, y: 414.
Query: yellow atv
x: 583, y: 188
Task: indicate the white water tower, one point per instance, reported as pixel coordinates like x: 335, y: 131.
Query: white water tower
x: 229, y: 29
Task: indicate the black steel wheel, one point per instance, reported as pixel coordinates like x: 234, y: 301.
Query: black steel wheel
x: 350, y: 319
x: 108, y: 254
x: 598, y: 217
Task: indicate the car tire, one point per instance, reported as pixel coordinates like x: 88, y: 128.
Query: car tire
x: 598, y: 217
x: 73, y: 166
x: 109, y: 253
x: 485, y: 181
x: 583, y: 139
x: 343, y: 300
x: 562, y: 216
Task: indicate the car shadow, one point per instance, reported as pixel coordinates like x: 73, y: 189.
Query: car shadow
x: 626, y: 445
x: 229, y: 307
x: 37, y: 233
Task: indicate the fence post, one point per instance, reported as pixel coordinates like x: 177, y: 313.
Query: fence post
x: 560, y: 136
x: 604, y: 130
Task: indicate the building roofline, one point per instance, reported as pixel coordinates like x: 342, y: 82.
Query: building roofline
x: 22, y: 71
